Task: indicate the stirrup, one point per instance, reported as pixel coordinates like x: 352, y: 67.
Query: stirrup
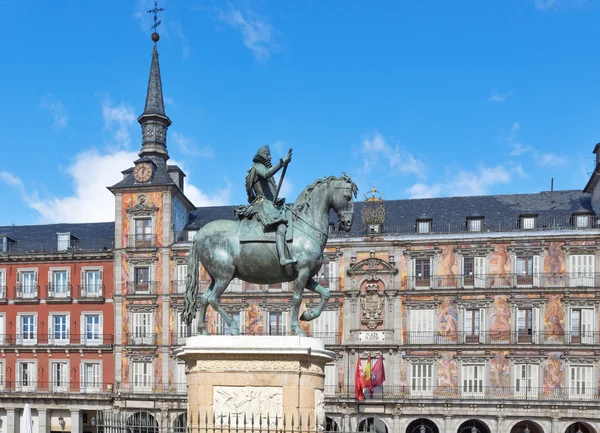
x: 285, y: 262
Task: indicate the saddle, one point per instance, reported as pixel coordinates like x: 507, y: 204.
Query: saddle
x: 251, y: 230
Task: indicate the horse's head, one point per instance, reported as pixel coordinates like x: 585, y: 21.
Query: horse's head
x: 342, y: 201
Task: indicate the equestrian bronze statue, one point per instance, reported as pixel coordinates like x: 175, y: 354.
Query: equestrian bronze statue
x: 270, y: 243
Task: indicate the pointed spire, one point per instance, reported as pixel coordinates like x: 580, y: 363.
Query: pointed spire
x: 154, y: 95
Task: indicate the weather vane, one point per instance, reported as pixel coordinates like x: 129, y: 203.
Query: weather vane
x: 155, y: 11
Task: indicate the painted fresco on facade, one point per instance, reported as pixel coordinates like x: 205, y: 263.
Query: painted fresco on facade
x: 500, y: 318
x: 554, y: 262
x: 499, y: 371
x: 254, y: 325
x: 554, y: 319
x: 448, y: 265
x: 500, y: 266
x: 554, y: 374
x: 447, y: 373
x: 447, y: 319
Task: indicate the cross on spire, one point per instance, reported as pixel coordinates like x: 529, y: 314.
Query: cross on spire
x: 155, y: 11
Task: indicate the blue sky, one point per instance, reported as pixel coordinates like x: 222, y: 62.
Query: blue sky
x: 428, y: 98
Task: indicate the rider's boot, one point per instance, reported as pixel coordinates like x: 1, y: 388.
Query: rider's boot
x: 280, y: 244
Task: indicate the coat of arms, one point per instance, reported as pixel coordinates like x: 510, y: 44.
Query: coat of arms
x: 371, y: 302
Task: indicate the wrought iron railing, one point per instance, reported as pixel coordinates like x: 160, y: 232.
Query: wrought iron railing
x: 19, y: 247
x: 27, y: 291
x: 141, y: 241
x: 58, y: 338
x: 90, y: 291
x: 141, y: 288
x: 3, y: 293
x: 421, y: 338
x: 148, y: 387
x: 141, y: 339
x: 55, y: 387
x: 59, y: 291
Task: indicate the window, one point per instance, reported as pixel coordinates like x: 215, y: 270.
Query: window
x: 236, y: 285
x: 421, y: 326
x: 91, y: 280
x: 2, y: 375
x: 424, y: 226
x: 2, y: 328
x: 422, y: 273
x: 474, y: 272
x: 59, y: 284
x: 528, y: 271
x: 473, y: 379
x: 331, y: 372
x: 92, y: 329
x: 64, y: 241
x: 528, y: 222
x: 181, y: 272
x: 142, y: 280
x: 28, y: 284
x: 278, y: 323
x: 223, y: 328
x: 526, y: 380
x: 26, y: 376
x: 60, y: 376
x: 475, y: 224
x: 325, y: 327
x: 332, y: 274
x: 90, y: 380
x: 3, y: 244
x: 582, y: 325
x: 421, y: 380
x: 142, y: 376
x: 143, y: 332
x: 2, y: 283
x: 580, y: 381
x: 527, y: 325
x: 190, y: 235
x: 582, y: 270
x: 59, y: 329
x: 143, y: 232
x: 180, y: 380
x: 474, y: 325
x: 27, y: 329
x: 374, y: 229
x: 581, y: 221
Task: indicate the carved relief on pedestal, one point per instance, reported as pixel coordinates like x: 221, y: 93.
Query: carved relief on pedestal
x: 266, y: 402
x: 371, y: 303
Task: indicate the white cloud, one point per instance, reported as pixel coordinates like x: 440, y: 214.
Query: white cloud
x: 375, y: 151
x: 170, y: 101
x: 185, y: 43
x: 499, y: 97
x: 550, y: 159
x: 220, y: 197
x: 257, y: 34
x: 118, y: 118
x: 188, y: 146
x: 60, y: 118
x: 11, y: 180
x: 545, y: 5
x: 518, y: 149
x: 465, y: 183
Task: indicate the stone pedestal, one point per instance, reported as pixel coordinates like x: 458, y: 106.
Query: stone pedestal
x: 260, y: 376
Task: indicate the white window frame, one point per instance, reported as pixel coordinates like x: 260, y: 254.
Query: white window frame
x: 475, y: 335
x: 326, y: 327
x: 536, y: 326
x: 64, y: 241
x: 32, y: 381
x: 580, y: 388
x: 431, y: 278
x: 2, y: 328
x: 528, y: 222
x: 2, y: 375
x: 587, y: 334
x: 181, y: 273
x: 582, y: 221
x: 96, y: 338
x: 28, y: 291
x: 582, y: 268
x: 536, y: 266
x: 284, y: 323
x: 526, y: 380
x: 223, y: 329
x: 65, y: 290
x: 475, y: 224
x: 142, y: 375
x: 330, y: 381
x: 95, y: 384
x: 29, y: 341
x: 473, y: 379
x: 64, y: 382
x: 424, y: 226
x: 422, y: 378
x: 422, y: 326
x: 479, y: 274
x: 52, y: 331
x: 3, y: 283
x: 180, y: 377
x: 97, y: 286
x: 142, y: 327
x: 236, y: 286
x: 191, y: 234
x: 151, y: 270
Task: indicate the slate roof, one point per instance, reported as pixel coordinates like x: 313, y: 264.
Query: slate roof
x: 160, y: 177
x: 43, y: 238
x: 449, y: 214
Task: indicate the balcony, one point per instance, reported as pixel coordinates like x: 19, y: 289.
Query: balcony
x: 141, y: 339
x: 329, y: 338
x: 57, y: 293
x: 178, y: 338
x: 90, y: 293
x: 27, y: 293
x: 57, y: 339
x: 3, y: 295
x: 178, y: 287
x: 501, y: 282
x: 332, y: 284
x: 399, y: 392
x: 153, y: 389
x: 35, y: 247
x: 141, y: 241
x: 141, y: 289
x: 41, y: 387
x: 579, y: 338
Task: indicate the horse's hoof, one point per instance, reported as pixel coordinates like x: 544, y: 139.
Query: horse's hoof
x: 234, y: 331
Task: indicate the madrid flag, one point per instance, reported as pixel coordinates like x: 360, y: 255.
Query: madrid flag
x: 359, y: 381
x: 368, y: 376
x: 378, y: 372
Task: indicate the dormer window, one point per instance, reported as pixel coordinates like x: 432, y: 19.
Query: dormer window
x: 475, y: 224
x: 581, y: 221
x: 374, y: 229
x: 64, y: 241
x: 424, y: 225
x: 3, y: 244
x: 528, y: 222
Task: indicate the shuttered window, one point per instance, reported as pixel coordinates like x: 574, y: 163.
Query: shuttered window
x: 525, y: 381
x: 142, y: 376
x: 581, y: 270
x: 580, y: 381
x: 325, y: 327
x: 421, y: 380
x: 60, y: 376
x: 473, y: 379
x: 89, y: 377
x: 421, y: 326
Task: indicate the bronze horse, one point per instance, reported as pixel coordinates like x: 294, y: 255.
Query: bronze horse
x: 217, y: 246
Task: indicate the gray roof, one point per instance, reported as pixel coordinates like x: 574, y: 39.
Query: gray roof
x: 43, y: 238
x: 161, y: 177
x: 154, y: 95
x: 449, y: 214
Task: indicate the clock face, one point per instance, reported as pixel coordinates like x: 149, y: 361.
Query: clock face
x: 142, y: 172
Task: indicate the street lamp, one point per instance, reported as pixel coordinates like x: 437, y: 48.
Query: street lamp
x: 422, y: 429
x: 526, y: 430
x: 474, y: 430
x: 93, y: 422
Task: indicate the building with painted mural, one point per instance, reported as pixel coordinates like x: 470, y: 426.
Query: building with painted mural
x: 484, y: 309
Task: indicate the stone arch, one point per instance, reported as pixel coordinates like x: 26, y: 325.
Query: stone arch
x: 474, y: 426
x: 580, y: 426
x: 142, y: 422
x: 422, y: 425
x: 180, y: 423
x: 373, y: 424
x: 522, y: 425
x: 331, y: 424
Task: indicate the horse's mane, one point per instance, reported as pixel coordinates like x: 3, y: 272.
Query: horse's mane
x: 303, y: 202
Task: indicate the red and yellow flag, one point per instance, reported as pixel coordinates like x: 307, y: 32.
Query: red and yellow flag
x: 369, y: 376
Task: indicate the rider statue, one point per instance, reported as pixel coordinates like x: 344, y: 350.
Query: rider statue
x: 262, y: 196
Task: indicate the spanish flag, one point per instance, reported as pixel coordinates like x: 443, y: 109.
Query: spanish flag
x: 369, y: 377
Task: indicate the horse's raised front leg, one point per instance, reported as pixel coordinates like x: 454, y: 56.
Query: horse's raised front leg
x: 324, y: 293
x: 202, y: 310
x: 299, y: 285
x: 214, y: 301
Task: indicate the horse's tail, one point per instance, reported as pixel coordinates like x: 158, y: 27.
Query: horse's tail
x: 190, y: 301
